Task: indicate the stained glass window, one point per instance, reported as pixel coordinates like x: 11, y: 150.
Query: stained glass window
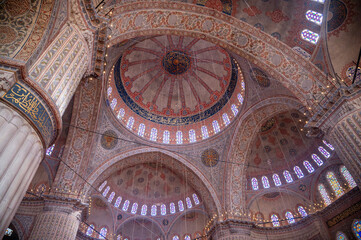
x: 265, y: 182
x: 240, y: 98
x: 275, y: 221
x: 103, y: 233
x: 309, y: 36
x: 179, y: 136
x: 90, y: 230
x: 153, y: 134
x: 346, y: 174
x: 143, y: 212
x: 204, y: 132
x: 102, y: 186
x: 121, y: 113
x: 187, y: 237
x: 317, y: 159
x: 113, y: 103
x: 180, y: 206
x: 276, y: 180
x: 126, y: 205
x: 225, y: 119
x: 324, y: 194
x: 334, y: 184
x: 298, y: 172
x: 105, y: 193
x: 195, y: 198
x: 287, y: 176
x: 302, y: 211
x: 163, y: 209
x: 49, y: 151
x: 234, y: 109
x: 141, y: 130
x: 189, y: 202
x: 324, y: 152
x: 172, y: 208
x: 134, y: 208
x: 153, y: 210
x: 320, y: 1
x: 242, y: 84
x: 308, y: 166
x: 117, y: 202
x: 111, y: 196
x: 175, y: 237
x: 341, y: 236
x: 254, y: 184
x: 216, y: 126
x: 314, y: 17
x: 166, y: 136
x: 130, y: 123
x: 109, y: 91
x: 289, y: 217
x: 119, y: 237
x: 192, y: 136
x: 328, y: 145
x: 356, y: 228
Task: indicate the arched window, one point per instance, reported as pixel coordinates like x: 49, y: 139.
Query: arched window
x: 265, y: 182
x: 121, y: 113
x: 117, y: 202
x: 324, y: 194
x: 234, y: 109
x: 153, y: 134
x: 356, y: 228
x: 141, y: 130
x: 289, y: 217
x: 276, y: 180
x: 240, y: 98
x: 189, y: 202
x: 308, y: 166
x: 172, y: 208
x: 179, y: 136
x: 320, y: 1
x: 130, y: 123
x: 334, y: 184
x: 275, y: 221
x: 204, y: 132
x: 163, y: 210
x: 187, y: 237
x: 328, y: 145
x: 254, y: 184
x: 105, y: 193
x: 180, y: 206
x: 166, y: 136
x: 298, y: 172
x: 111, y: 196
x: 103, y: 233
x: 346, y: 174
x: 302, y: 211
x: 175, y: 237
x: 341, y: 236
x: 192, y: 136
x: 216, y: 126
x: 287, y: 176
x: 153, y: 210
x: 109, y: 91
x: 309, y: 36
x: 102, y: 186
x: 225, y: 119
x: 119, y: 237
x: 49, y: 151
x: 195, y: 199
x: 126, y: 205
x: 314, y: 17
x: 90, y: 230
x: 243, y: 85
x: 143, y: 211
x: 113, y: 103
x: 134, y: 208
x: 324, y: 152
x: 317, y: 159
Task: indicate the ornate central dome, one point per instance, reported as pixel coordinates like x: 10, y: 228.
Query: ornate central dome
x: 176, y: 62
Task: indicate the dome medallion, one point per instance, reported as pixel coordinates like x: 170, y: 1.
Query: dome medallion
x: 169, y: 88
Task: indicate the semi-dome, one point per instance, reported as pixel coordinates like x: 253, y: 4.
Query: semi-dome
x: 175, y: 90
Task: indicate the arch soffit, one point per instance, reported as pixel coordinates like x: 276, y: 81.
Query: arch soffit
x: 135, y: 217
x: 141, y: 19
x: 207, y: 186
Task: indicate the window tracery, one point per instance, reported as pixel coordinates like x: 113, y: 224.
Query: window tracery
x: 215, y: 125
x: 166, y: 136
x: 153, y: 134
x: 275, y: 221
x: 192, y: 136
x: 141, y: 130
x: 225, y: 119
x: 265, y: 182
x: 336, y: 187
x: 90, y: 230
x: 117, y: 202
x: 179, y: 136
x: 195, y: 199
x: 356, y: 228
x: 302, y: 211
x: 105, y: 193
x: 172, y: 207
x: 298, y: 172
x: 103, y: 233
x: 309, y: 36
x: 276, y: 180
x: 324, y: 152
x: 130, y: 123
x: 234, y: 109
x: 324, y: 194
x: 254, y: 184
x: 126, y: 205
x: 143, y: 211
x: 287, y: 176
x: 180, y: 206
x: 102, y: 186
x: 113, y: 103
x: 121, y: 113
x: 134, y: 208
x: 189, y: 203
x: 328, y: 145
x: 111, y: 196
x: 289, y: 217
x: 308, y: 166
x: 317, y: 159
x: 163, y: 210
x: 346, y: 174
x: 204, y: 132
x: 314, y: 17
x: 153, y: 210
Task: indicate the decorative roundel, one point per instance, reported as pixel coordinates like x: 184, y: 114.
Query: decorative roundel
x: 165, y: 222
x: 268, y: 125
x: 260, y: 77
x: 210, y: 157
x: 109, y: 139
x: 175, y: 89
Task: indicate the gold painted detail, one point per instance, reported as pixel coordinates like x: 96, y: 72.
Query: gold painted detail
x: 348, y: 212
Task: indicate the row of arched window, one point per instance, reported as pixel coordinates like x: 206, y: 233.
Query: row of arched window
x: 335, y: 185
x: 144, y: 208
x: 314, y: 17
x: 296, y: 170
x: 288, y: 216
x: 356, y: 229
